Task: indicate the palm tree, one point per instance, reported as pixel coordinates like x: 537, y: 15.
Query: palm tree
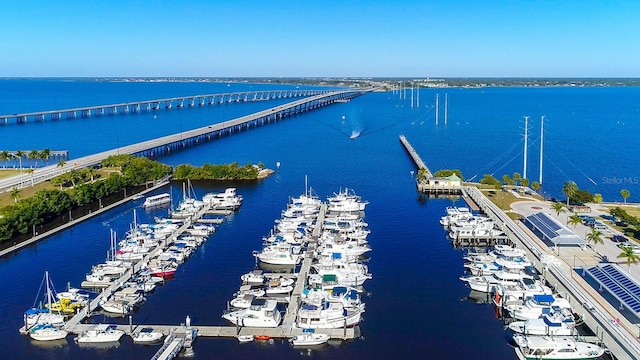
x: 558, y: 207
x: 516, y: 177
x: 61, y: 163
x: 632, y: 257
x: 45, y: 154
x: 570, y: 189
x: 34, y: 155
x: 91, y: 172
x: 595, y: 236
x: 421, y: 174
x: 4, y: 155
x: 574, y: 220
x: 597, y: 198
x: 15, y: 194
x: 625, y: 194
x: 535, y: 186
x: 506, y: 179
x: 524, y: 182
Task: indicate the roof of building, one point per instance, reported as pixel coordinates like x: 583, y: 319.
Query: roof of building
x: 553, y: 230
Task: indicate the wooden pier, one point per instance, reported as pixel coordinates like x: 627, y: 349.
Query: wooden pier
x: 427, y: 183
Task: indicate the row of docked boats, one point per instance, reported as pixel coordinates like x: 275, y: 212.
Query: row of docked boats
x: 330, y: 290
x: 543, y: 325
x: 146, y: 256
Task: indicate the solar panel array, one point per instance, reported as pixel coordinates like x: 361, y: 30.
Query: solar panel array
x: 547, y: 226
x: 618, y: 284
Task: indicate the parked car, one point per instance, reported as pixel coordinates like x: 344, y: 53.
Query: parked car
x: 619, y: 239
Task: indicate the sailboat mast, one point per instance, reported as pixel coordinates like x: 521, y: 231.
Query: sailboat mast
x: 418, y: 96
x: 46, y: 274
x: 541, y: 145
x: 526, y: 135
x: 446, y: 108
x: 437, y: 111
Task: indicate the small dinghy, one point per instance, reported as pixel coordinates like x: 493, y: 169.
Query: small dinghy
x: 245, y: 338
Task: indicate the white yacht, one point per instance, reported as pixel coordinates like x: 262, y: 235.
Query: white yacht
x: 552, y: 348
x: 328, y: 315
x: 455, y: 214
x: 487, y: 282
x: 227, y: 200
x: 538, y: 305
x: 505, y: 293
x: 255, y: 277
x: 280, y: 253
x: 102, y: 333
x: 556, y: 324
x: 346, y: 201
x: 261, y: 313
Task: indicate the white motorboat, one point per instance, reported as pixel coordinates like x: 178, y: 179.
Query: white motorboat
x: 117, y: 307
x: 250, y: 290
x: 280, y: 254
x: 328, y: 315
x: 102, y: 333
x: 309, y: 339
x: 552, y: 348
x: 261, y: 313
x: 157, y: 200
x: 488, y: 282
x: 146, y: 336
x: 74, y: 295
x: 255, y: 277
x: 47, y: 332
x: 346, y: 295
x: 556, y: 324
x: 242, y: 301
x: 538, y: 305
x: 455, y: 214
x: 504, y: 293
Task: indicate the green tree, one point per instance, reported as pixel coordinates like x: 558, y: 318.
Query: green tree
x: 535, y: 186
x: 15, y: 194
x: 625, y: 194
x: 506, y: 180
x: 516, y: 177
x: 597, y: 198
x: 422, y: 173
x: 595, y: 236
x: 488, y: 179
x: 34, y: 155
x: 4, y: 155
x: 630, y: 256
x: 61, y: 163
x: 524, y: 182
x: 45, y: 154
x: 574, y: 220
x: 558, y: 207
x: 569, y: 188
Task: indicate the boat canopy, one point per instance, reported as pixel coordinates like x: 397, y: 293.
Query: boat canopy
x: 544, y: 299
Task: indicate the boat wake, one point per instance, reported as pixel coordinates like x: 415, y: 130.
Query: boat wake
x: 355, y: 134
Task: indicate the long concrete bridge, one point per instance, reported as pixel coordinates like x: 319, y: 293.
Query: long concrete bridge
x: 158, y: 104
x: 171, y: 143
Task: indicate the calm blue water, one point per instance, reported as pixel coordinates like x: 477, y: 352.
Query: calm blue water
x: 415, y: 302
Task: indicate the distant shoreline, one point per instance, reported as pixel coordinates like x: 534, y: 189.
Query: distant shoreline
x: 425, y: 82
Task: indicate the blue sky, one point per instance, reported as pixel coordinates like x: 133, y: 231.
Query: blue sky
x: 464, y: 38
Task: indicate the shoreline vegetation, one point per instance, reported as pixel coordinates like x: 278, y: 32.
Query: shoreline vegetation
x: 231, y: 171
x: 78, y: 192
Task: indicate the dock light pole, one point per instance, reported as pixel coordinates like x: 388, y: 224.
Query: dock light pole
x: 20, y: 160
